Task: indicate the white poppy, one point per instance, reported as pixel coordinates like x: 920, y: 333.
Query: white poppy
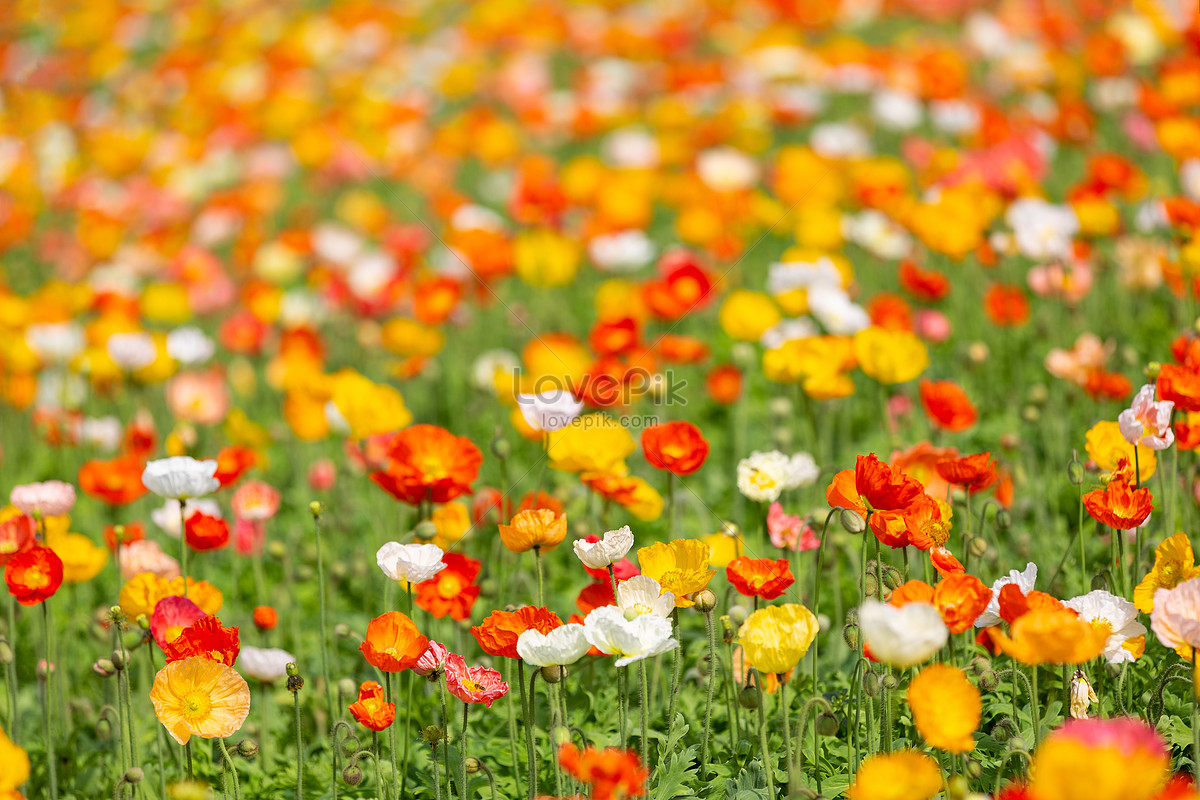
x: 131, y: 350
x: 410, y: 562
x: 1024, y: 581
x: 55, y: 341
x: 564, y: 645
x: 549, y: 411
x: 904, y: 636
x: 190, y: 345
x: 623, y: 251
x: 180, y: 477
x: 609, y: 550
x: 263, y: 663
x: 1106, y: 610
x: 644, y: 636
x: 641, y: 594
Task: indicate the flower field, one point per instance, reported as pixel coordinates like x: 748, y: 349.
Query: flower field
x: 679, y: 399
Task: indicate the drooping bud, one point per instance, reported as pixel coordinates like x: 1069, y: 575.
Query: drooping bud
x: 560, y: 735
x: 889, y: 681
x: 978, y: 546
x: 850, y: 636
x: 870, y: 684
x: 852, y: 521
x: 247, y: 748
x: 352, y: 775
x: 827, y: 724
x: 738, y: 614
x: 553, y: 673
x: 989, y: 681
x: 1075, y: 470
x: 472, y: 765
x: 104, y: 668
x: 134, y: 775
x: 748, y: 698
x: 118, y: 660
x: 501, y: 449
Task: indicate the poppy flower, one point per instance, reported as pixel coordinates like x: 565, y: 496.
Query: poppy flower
x: 1006, y: 306
x: 680, y: 567
x: 775, y: 638
x: 946, y: 708
x: 172, y: 615
x: 1174, y: 563
x: 17, y: 535
x: 538, y: 500
x: 611, y: 773
x: 926, y: 522
x: 760, y: 577
x: 948, y: 406
x: 204, y: 638
x: 372, y: 709
x: 889, y: 527
x: 233, y: 462
x: 1118, y: 506
x: 123, y: 535
x: 117, y: 481
x: 675, y: 447
x: 473, y: 684
x: 541, y: 528
x: 724, y: 383
x: 960, y: 599
x: 975, y: 472
x: 265, y: 618
x: 498, y: 633
x: 428, y: 462
x: 33, y: 575
x: 1180, y: 385
x: 904, y: 774
x: 199, y: 697
x: 452, y: 591
x: 928, y: 286
x: 393, y: 643
x: 883, y: 488
x: 203, y: 532
x: 1050, y: 636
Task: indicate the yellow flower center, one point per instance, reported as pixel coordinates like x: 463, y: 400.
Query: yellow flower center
x: 450, y: 586
x: 1103, y: 625
x: 195, y: 706
x: 472, y: 686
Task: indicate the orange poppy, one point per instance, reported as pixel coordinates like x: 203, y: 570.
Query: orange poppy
x: 205, y: 638
x: 34, y: 575
x: 127, y: 533
x: 453, y: 591
x: 889, y: 527
x: 760, y: 577
x: 204, y: 532
x: 920, y: 463
x: 928, y: 286
x: 890, y: 312
x: 960, y: 599
x: 233, y: 462
x: 393, y: 643
x: 676, y: 349
x: 925, y: 525
x: 1006, y: 306
x: 372, y: 709
x: 614, y: 338
x: 116, y: 482
x: 883, y: 488
x: 497, y: 635
x: 541, y: 499
x: 1014, y: 603
x: 1118, y: 506
x: 974, y: 472
x: 17, y: 535
x: 426, y: 462
x: 675, y: 447
x: 265, y: 618
x: 724, y: 383
x: 948, y: 406
x: 534, y: 528
x: 611, y: 773
x: 913, y: 591
x: 1180, y: 385
x: 945, y: 562
x: 1102, y: 384
x: 1187, y: 434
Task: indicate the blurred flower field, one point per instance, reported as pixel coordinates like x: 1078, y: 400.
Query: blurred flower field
x: 681, y: 399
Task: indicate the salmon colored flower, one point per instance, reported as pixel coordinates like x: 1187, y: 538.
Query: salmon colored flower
x: 473, y: 684
x: 372, y: 709
x: 535, y: 528
x: 675, y: 447
x: 960, y: 599
x: 255, y: 501
x: 204, y: 638
x: 948, y: 406
x: 199, y: 697
x: 1047, y: 636
x: 946, y: 708
x: 974, y: 473
x: 426, y: 462
x: 203, y: 532
x: 1100, y: 759
x: 452, y: 591
x: 1174, y: 563
x: 498, y: 633
x: 33, y: 576
x: 393, y: 643
x: 1118, y: 506
x: 611, y: 773
x: 680, y: 567
x: 116, y: 482
x: 790, y: 531
x: 760, y: 577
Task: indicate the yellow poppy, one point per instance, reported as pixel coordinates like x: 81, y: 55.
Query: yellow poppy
x: 14, y: 764
x: 946, y: 708
x: 1106, y: 446
x: 775, y: 638
x: 680, y: 567
x: 200, y: 697
x: 890, y: 356
x: 1174, y: 563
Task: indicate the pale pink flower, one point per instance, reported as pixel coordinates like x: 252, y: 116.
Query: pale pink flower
x: 255, y: 501
x: 1071, y: 282
x: 932, y: 326
x: 789, y: 532
x: 48, y: 498
x: 145, y: 555
x: 248, y: 536
x: 1127, y: 735
x: 322, y: 475
x: 1147, y: 422
x: 200, y: 397
x: 1176, y: 615
x: 1089, y: 353
x: 473, y: 684
x: 432, y: 660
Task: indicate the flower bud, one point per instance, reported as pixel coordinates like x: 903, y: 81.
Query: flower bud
x: 316, y: 507
x: 892, y: 577
x: 870, y: 585
x: 726, y: 629
x: 1038, y: 393
x: 104, y: 668
x: 957, y: 788
x: 850, y: 636
x: 780, y: 407
x: 501, y: 449
x: 706, y: 600
x: 247, y: 748
x: 737, y: 614
x: 1100, y: 582
x: 1003, y: 519
x: 133, y: 775
x: 1153, y: 369
x: 748, y: 698
x: 989, y: 681
x: 1004, y: 729
x: 472, y: 764
x: 889, y: 681
x: 1031, y: 413
x: 1018, y: 743
x: 870, y: 684
x: 103, y: 728
x: 489, y: 588
x: 276, y: 549
x: 974, y: 770
x: 425, y: 530
x: 979, y: 665
x: 827, y: 724
x: 295, y: 683
x: 1075, y: 471
x: 852, y: 521
x: 560, y: 735
x: 343, y: 631
x: 346, y: 687
x: 553, y: 673
x: 352, y: 775
x: 118, y: 660
x: 783, y: 437
x: 44, y: 668
x: 6, y: 653
x: 143, y: 622
x: 978, y: 546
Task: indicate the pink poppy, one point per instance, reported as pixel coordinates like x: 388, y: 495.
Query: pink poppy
x: 432, y: 660
x: 789, y: 532
x: 198, y: 396
x: 473, y: 684
x: 145, y: 555
x: 48, y: 498
x: 255, y: 501
x: 322, y: 475
x: 171, y: 615
x: 248, y: 536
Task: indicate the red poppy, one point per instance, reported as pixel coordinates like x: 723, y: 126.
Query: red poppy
x: 614, y: 338
x: 1187, y: 435
x: 975, y: 472
x: 1006, y: 306
x: 675, y: 447
x: 1181, y: 386
x: 724, y: 383
x: 945, y: 562
x: 426, y: 462
x: 233, y: 462
x: 594, y: 595
x: 205, y: 638
x: 683, y: 287
x: 948, y: 406
x: 760, y: 577
x: 452, y: 592
x: 33, y: 575
x: 890, y: 312
x: 928, y: 286
x: 889, y: 527
x: 611, y: 773
x: 1104, y: 385
x: 1014, y: 603
x: 676, y: 349
x: 127, y: 533
x: 883, y: 488
x: 1118, y: 506
x: 116, y: 482
x: 497, y: 635
x: 372, y: 709
x: 203, y: 532
x: 434, y: 299
x: 17, y: 535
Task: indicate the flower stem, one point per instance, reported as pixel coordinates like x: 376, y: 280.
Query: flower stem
x: 11, y: 668
x: 537, y: 552
x: 730, y: 691
x: 47, y: 704
x: 183, y: 546
x: 191, y: 772
x: 387, y: 689
x: 158, y: 739
x: 321, y: 610
x: 446, y: 728
x: 644, y: 696
x: 264, y: 735
x: 433, y: 759
x: 299, y: 750
x: 670, y: 506
x: 462, y: 752
x: 676, y: 671
x: 763, y: 739
x: 1195, y: 725
x: 1033, y: 705
x: 237, y: 788
x: 526, y: 714
x: 708, y: 699
x: 787, y: 730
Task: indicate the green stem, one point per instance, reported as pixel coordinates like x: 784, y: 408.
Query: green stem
x: 512, y: 722
x: 1033, y: 705
x: 537, y: 552
x: 784, y: 713
x: 299, y: 750
x: 237, y: 788
x: 464, y: 789
x: 764, y: 739
x: 446, y: 728
x: 396, y: 777
x: 708, y: 699
x: 644, y: 713
x: 670, y: 506
x: 264, y: 735
x: 11, y: 669
x: 47, y: 704
x: 676, y: 670
x: 191, y: 772
x: 158, y: 739
x: 527, y: 708
x: 323, y: 618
